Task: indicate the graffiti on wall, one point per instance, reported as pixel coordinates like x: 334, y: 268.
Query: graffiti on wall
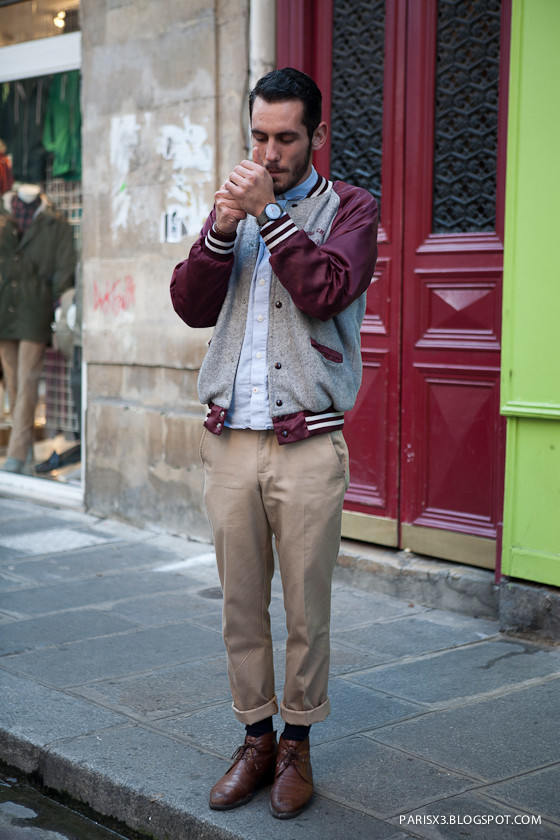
x: 115, y: 297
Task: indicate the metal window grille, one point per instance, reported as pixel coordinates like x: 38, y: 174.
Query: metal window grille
x: 357, y: 92
x: 466, y: 115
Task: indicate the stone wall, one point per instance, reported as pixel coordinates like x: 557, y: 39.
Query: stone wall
x: 164, y: 119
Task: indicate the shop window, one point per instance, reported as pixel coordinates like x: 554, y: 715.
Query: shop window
x: 40, y: 133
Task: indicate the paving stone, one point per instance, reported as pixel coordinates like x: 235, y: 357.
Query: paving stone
x: 112, y: 656
x: 466, y: 671
x: 24, y: 508
x: 168, y: 691
x: 89, y: 562
x: 539, y: 791
x: 42, y: 715
x: 19, y: 509
x: 103, y: 589
x: 199, y: 567
x: 491, y: 739
x: 415, y: 634
x: 20, y: 636
x: 357, y: 711
x: 382, y: 780
x: 214, y: 729
x: 28, y: 524
x: 344, y: 659
x: 179, y: 545
x: 10, y: 581
x: 51, y: 540
x: 456, y: 821
x: 9, y: 554
x: 353, y: 607
x: 154, y: 610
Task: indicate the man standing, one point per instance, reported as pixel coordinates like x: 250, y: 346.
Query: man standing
x: 281, y: 269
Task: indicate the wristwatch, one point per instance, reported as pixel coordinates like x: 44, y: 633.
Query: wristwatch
x: 270, y: 213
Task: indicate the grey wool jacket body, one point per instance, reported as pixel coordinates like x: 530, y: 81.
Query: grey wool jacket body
x: 322, y: 255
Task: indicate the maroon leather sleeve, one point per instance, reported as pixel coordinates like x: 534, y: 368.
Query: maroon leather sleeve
x: 324, y: 279
x: 199, y: 283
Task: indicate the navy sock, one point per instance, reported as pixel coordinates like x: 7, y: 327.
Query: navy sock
x: 295, y: 733
x: 259, y: 728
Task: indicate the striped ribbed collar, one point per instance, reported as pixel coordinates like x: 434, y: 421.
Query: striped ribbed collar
x: 320, y: 186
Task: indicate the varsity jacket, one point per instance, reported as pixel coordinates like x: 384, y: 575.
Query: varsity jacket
x: 322, y: 253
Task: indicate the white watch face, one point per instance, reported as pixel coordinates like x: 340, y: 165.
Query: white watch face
x: 273, y: 211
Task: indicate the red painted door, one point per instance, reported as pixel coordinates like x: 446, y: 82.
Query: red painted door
x: 452, y: 435
x: 415, y: 93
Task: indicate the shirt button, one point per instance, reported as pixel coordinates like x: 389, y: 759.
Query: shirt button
x: 277, y: 365
x: 261, y: 281
x: 259, y: 355
x: 278, y: 304
x: 278, y: 402
x: 284, y: 433
x: 260, y: 317
x: 218, y: 425
x: 255, y: 390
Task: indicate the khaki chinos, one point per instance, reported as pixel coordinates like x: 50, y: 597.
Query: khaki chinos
x: 255, y: 488
x: 22, y: 364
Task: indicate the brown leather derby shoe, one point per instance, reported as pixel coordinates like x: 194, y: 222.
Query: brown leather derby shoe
x: 293, y: 782
x: 253, y: 767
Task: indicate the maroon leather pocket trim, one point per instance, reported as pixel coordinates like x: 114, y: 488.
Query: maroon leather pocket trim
x: 327, y: 352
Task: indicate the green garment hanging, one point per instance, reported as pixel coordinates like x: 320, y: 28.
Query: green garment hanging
x: 63, y: 124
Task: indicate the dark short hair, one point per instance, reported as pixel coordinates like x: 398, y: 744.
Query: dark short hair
x: 289, y: 83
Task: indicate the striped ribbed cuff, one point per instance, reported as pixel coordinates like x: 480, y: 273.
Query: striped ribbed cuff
x: 328, y: 421
x: 273, y: 233
x: 220, y: 243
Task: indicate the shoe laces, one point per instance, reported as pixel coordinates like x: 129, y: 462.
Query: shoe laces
x: 240, y: 752
x: 290, y: 755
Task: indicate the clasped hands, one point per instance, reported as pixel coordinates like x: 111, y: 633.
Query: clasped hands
x: 247, y: 190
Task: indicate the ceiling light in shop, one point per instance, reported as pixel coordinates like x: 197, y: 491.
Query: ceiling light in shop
x: 60, y: 20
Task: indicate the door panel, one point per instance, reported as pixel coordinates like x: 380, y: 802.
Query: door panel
x: 452, y: 434
x: 425, y: 82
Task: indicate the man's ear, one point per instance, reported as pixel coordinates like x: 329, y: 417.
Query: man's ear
x: 320, y: 136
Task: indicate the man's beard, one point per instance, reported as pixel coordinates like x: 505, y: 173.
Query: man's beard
x: 297, y: 175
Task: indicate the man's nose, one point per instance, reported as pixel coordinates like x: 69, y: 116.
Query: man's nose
x: 272, y: 151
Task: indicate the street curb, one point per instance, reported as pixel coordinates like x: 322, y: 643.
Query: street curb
x: 433, y: 583
x: 109, y: 799
x: 529, y: 608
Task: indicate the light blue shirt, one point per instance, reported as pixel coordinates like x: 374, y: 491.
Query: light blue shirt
x: 250, y: 407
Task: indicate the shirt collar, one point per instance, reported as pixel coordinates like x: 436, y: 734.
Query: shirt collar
x: 300, y: 190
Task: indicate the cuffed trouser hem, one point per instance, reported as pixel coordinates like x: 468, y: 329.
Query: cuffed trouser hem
x: 307, y: 717
x: 255, y: 715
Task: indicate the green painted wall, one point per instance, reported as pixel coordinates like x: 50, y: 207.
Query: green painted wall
x: 531, y: 310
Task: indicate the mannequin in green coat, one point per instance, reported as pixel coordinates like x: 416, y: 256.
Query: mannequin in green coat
x: 38, y: 262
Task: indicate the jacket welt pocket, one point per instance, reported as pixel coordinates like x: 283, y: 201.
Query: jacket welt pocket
x: 327, y: 352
